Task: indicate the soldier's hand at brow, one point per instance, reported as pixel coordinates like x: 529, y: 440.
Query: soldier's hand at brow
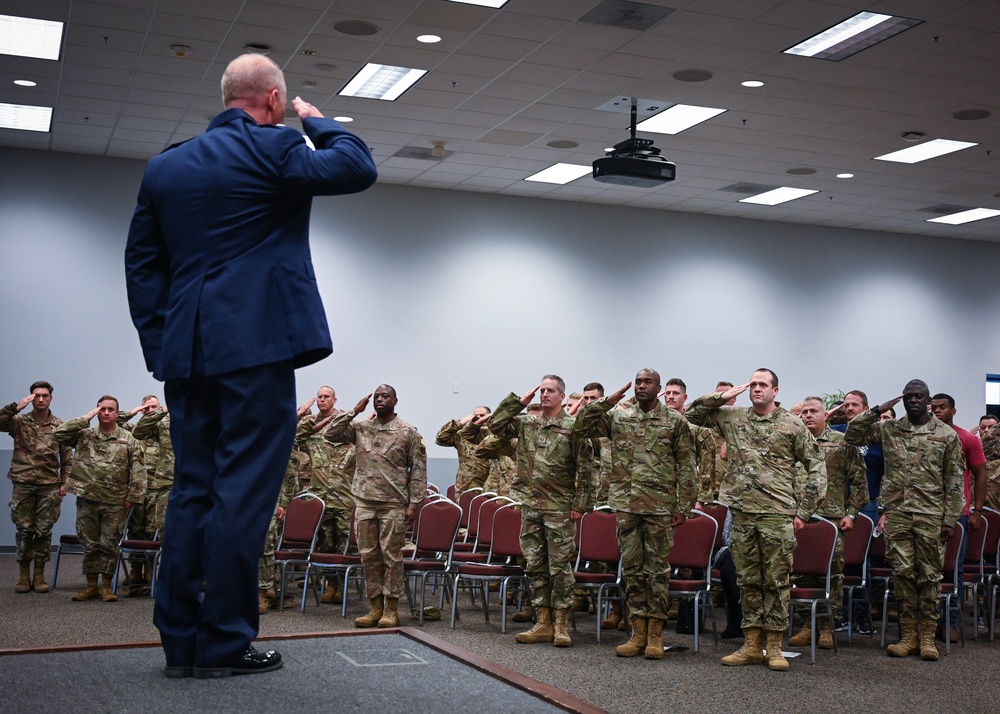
x: 529, y: 395
x: 480, y: 420
x: 362, y: 404
x: 613, y: 399
x: 25, y: 402
x: 574, y: 408
x: 135, y: 410
x: 734, y: 391
x: 92, y: 413
x: 163, y: 408
x: 886, y: 406
x: 833, y: 411
x: 466, y: 419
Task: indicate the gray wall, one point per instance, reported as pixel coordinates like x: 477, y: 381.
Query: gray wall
x: 426, y: 289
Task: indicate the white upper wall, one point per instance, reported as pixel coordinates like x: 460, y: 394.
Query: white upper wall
x: 428, y: 288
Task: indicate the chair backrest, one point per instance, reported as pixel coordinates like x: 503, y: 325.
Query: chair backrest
x: 951, y: 549
x: 450, y: 492
x: 975, y: 545
x: 694, y: 542
x: 484, y: 529
x: 718, y: 511
x: 464, y: 501
x: 598, y: 533
x: 433, y: 487
x: 858, y: 542
x: 301, y: 523
x: 814, y: 545
x: 506, y: 540
x: 437, y: 525
x: 475, y: 504
x: 991, y: 545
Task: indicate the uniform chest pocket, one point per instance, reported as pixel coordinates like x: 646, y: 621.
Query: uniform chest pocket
x: 387, y: 446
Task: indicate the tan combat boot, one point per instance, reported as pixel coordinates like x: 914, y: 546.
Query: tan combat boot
x: 541, y: 632
x: 38, y: 583
x: 560, y: 637
x: 654, y: 639
x: 331, y: 595
x: 776, y: 661
x: 752, y: 651
x: 527, y: 613
x: 390, y: 613
x: 24, y: 577
x: 374, y: 614
x: 107, y: 595
x: 675, y: 607
x: 637, y: 645
x: 907, y: 644
x: 928, y: 650
x: 264, y: 602
x: 802, y: 638
x: 614, y: 617
x: 825, y: 635
x: 89, y: 592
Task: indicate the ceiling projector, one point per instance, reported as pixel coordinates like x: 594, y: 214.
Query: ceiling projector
x: 634, y: 162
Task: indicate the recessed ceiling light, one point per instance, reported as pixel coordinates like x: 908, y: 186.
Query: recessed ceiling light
x: 975, y: 214
x: 357, y: 28
x: 778, y: 195
x: 752, y: 83
x: 30, y: 37
x: 482, y: 3
x: 692, y: 75
x: 25, y: 83
x: 924, y: 151
x: 381, y: 81
x: 560, y: 173
x: 428, y: 39
x: 344, y: 120
x: 677, y: 118
x: 852, y: 35
x: 25, y: 117
x: 845, y: 176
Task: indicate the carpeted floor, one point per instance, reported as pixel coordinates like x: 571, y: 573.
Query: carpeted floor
x: 860, y: 676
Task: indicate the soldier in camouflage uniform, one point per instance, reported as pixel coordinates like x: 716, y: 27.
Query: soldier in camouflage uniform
x: 846, y: 495
x: 464, y: 435
x: 38, y: 468
x: 266, y: 567
x: 653, y: 486
x: 554, y: 483
x: 390, y: 481
x: 922, y: 497
x: 109, y: 479
x: 991, y: 449
x: 770, y: 498
x: 331, y: 468
x: 501, y: 454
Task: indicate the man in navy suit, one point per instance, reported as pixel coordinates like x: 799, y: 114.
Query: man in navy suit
x: 223, y: 294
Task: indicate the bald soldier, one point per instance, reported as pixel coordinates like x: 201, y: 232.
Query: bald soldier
x: 654, y: 483
x: 770, y: 498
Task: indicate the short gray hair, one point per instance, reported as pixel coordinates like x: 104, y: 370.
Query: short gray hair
x: 250, y: 76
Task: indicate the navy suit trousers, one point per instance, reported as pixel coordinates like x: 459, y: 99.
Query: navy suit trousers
x: 232, y: 437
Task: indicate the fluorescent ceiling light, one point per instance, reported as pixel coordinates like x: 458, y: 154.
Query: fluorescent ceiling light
x: 852, y: 35
x: 778, y: 195
x: 927, y: 150
x: 561, y: 173
x: 381, y: 81
x: 483, y: 3
x: 973, y: 214
x: 25, y: 117
x: 28, y: 37
x: 677, y: 118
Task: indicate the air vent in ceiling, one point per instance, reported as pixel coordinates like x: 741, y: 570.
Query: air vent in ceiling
x: 420, y: 153
x: 747, y: 188
x: 627, y: 15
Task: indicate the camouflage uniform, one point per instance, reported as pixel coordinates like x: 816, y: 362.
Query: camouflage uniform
x: 706, y: 454
x: 846, y: 495
x: 472, y: 471
x: 766, y: 493
x: 266, y: 568
x: 153, y: 430
x: 331, y: 467
x: 38, y: 468
x: 554, y: 476
x: 653, y: 475
x: 391, y: 476
x: 922, y: 491
x: 107, y: 472
x: 501, y: 454
x: 991, y: 449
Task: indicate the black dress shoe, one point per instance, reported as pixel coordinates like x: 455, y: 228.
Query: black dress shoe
x: 251, y: 662
x: 177, y: 672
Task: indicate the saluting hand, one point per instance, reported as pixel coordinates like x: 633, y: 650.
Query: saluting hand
x: 734, y: 392
x: 92, y: 413
x: 613, y: 399
x: 25, y: 402
x: 834, y: 411
x: 529, y: 395
x: 886, y: 406
x: 480, y: 420
x: 362, y: 404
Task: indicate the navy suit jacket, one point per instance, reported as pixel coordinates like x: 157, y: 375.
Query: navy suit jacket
x: 220, y: 243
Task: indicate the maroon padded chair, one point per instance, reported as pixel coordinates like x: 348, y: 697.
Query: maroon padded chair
x: 597, y: 538
x: 694, y: 545
x: 813, y: 556
x: 857, y: 548
x: 434, y: 541
x: 298, y: 537
x: 342, y: 564
x: 974, y: 567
